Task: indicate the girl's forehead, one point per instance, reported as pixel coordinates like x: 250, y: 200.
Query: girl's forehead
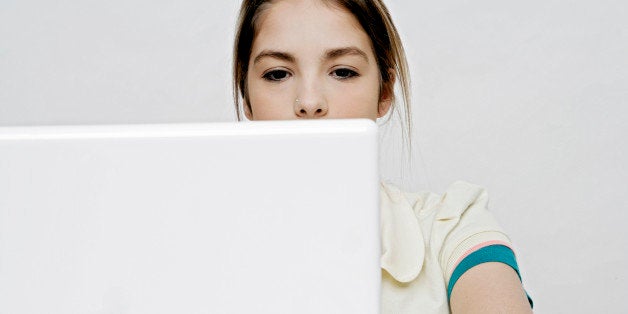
x: 307, y: 24
x: 297, y: 14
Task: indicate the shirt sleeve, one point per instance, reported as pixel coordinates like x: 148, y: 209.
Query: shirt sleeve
x: 469, y: 233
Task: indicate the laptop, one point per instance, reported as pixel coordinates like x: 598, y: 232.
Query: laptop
x: 250, y: 217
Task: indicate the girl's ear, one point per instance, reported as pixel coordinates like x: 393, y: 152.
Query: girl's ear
x: 387, y: 95
x: 247, y: 109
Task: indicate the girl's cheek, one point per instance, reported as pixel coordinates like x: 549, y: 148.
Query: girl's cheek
x: 359, y: 104
x: 268, y: 107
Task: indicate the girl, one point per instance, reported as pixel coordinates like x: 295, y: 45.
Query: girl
x: 306, y: 59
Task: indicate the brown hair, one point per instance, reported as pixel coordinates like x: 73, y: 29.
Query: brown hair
x: 374, y: 18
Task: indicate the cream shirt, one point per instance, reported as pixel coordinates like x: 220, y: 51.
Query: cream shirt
x: 424, y: 236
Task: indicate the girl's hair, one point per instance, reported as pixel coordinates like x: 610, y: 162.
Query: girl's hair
x: 374, y: 18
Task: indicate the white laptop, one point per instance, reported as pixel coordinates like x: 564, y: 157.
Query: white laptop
x: 253, y: 217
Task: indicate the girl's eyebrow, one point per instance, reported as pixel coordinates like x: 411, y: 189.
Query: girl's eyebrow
x: 329, y: 54
x: 345, y: 51
x: 274, y: 54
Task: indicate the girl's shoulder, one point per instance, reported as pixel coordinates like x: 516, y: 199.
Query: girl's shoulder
x: 446, y: 226
x: 430, y: 240
x: 459, y: 196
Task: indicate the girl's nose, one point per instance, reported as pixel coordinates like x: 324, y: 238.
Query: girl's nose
x: 310, y: 109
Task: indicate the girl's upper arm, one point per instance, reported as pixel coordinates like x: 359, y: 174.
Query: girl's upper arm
x: 489, y: 288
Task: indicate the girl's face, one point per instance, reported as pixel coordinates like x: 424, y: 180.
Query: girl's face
x: 312, y: 60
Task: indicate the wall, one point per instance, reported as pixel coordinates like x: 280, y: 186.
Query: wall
x: 525, y: 98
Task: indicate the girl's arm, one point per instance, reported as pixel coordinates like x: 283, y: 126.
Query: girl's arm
x: 489, y: 288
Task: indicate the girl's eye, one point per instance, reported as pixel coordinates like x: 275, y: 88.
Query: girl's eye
x: 276, y: 75
x: 344, y: 73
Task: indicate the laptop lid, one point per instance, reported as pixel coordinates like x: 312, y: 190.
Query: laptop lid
x: 255, y: 217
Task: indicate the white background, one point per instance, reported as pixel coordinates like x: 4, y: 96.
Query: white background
x: 526, y: 98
